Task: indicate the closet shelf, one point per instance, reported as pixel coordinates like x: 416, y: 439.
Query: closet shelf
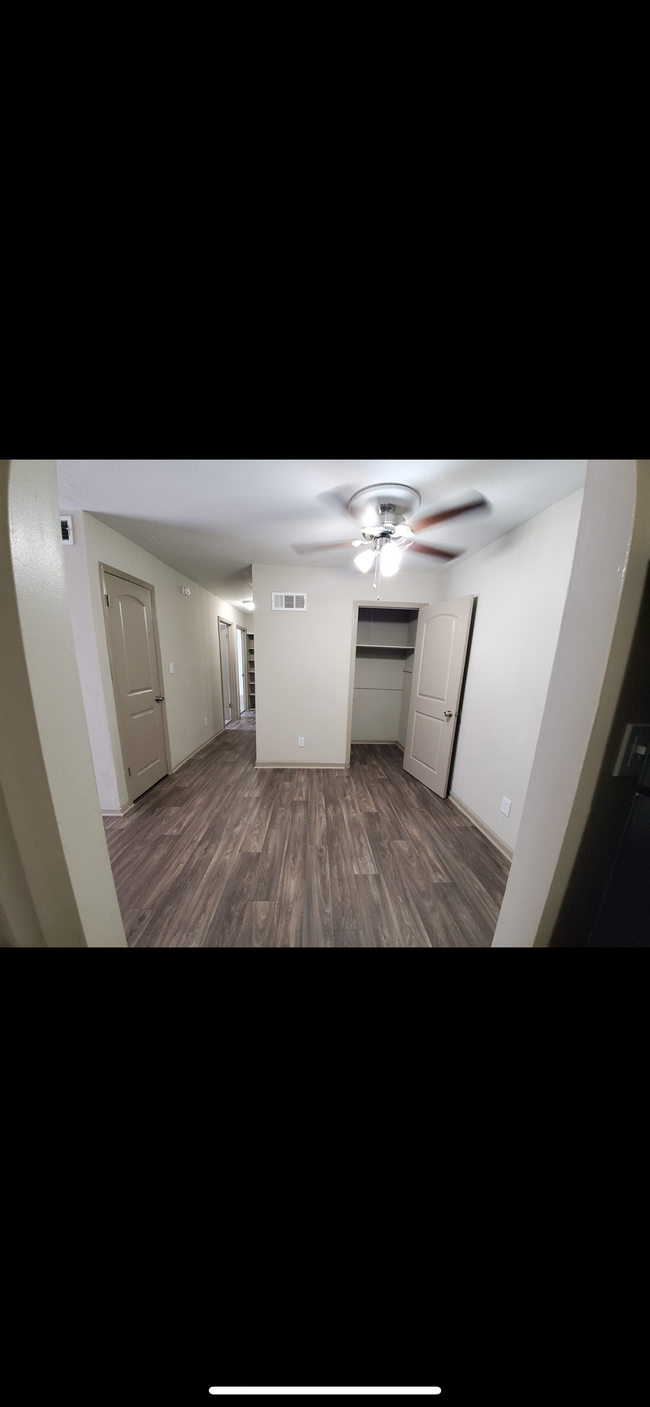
x: 250, y: 671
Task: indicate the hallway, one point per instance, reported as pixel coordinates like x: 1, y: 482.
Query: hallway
x: 224, y: 855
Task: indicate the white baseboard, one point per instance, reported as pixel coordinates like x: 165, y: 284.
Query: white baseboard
x: 122, y: 811
x: 375, y: 742
x: 303, y: 766
x: 481, y: 826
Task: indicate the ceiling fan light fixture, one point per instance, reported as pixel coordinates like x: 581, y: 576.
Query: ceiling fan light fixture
x: 364, y: 561
x: 390, y: 559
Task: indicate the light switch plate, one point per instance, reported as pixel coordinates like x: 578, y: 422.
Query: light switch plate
x: 301, y: 742
x: 505, y: 806
x: 171, y: 669
x: 633, y: 754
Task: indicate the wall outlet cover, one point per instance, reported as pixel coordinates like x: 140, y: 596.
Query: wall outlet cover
x: 301, y: 742
x: 171, y: 669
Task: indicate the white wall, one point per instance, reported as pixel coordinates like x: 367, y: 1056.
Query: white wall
x: 189, y: 638
x: 303, y: 661
x: 521, y: 583
x: 602, y: 608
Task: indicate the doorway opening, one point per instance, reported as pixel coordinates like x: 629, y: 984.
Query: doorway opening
x: 407, y: 674
x: 226, y: 670
x: 250, y: 668
x: 229, y: 651
x: 382, y: 676
x: 241, y: 667
x: 384, y: 638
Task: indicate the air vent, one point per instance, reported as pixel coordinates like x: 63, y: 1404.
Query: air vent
x: 288, y: 601
x: 66, y: 531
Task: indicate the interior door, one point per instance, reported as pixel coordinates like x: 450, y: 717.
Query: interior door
x: 136, y: 682
x: 438, y: 671
x: 226, y: 670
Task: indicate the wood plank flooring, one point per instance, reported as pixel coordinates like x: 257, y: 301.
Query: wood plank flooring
x: 222, y: 855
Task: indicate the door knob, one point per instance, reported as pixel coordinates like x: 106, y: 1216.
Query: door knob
x: 449, y: 714
x: 160, y: 698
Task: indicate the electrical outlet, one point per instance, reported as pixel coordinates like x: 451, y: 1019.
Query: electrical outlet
x: 505, y: 806
x: 171, y: 669
x: 205, y: 721
x: 301, y: 742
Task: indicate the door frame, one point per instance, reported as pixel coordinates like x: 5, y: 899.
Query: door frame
x: 241, y: 629
x: 137, y: 581
x: 234, y: 682
x: 374, y: 606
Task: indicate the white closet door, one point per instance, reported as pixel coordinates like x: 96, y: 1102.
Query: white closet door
x: 438, y: 670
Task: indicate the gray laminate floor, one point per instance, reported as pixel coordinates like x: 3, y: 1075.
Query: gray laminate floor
x: 222, y: 855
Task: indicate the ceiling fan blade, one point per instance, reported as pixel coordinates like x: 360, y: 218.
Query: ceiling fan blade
x: 420, y: 524
x: 433, y: 551
x: 303, y: 547
x: 336, y: 501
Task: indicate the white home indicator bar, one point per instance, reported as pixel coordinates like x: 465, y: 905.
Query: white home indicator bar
x: 324, y: 1391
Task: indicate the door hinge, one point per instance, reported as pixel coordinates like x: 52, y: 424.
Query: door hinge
x: 129, y: 770
x: 108, y: 599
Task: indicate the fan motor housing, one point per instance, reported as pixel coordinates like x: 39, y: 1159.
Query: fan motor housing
x: 388, y: 504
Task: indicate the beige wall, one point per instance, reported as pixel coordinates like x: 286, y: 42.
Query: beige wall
x: 303, y: 661
x: 605, y: 592
x: 521, y: 582
x: 56, y: 886
x: 189, y: 638
x: 19, y: 925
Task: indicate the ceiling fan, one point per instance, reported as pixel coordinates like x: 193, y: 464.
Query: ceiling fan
x: 382, y: 510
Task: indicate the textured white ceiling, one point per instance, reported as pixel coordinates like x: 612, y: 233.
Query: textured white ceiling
x: 211, y: 518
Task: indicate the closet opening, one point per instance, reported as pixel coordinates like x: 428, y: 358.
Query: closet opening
x: 383, y: 648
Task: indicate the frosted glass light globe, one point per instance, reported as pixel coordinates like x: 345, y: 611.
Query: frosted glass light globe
x: 390, y: 560
x: 365, y: 560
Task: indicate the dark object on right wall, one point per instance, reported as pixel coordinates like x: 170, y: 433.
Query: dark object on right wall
x: 607, y: 902
x: 624, y: 917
